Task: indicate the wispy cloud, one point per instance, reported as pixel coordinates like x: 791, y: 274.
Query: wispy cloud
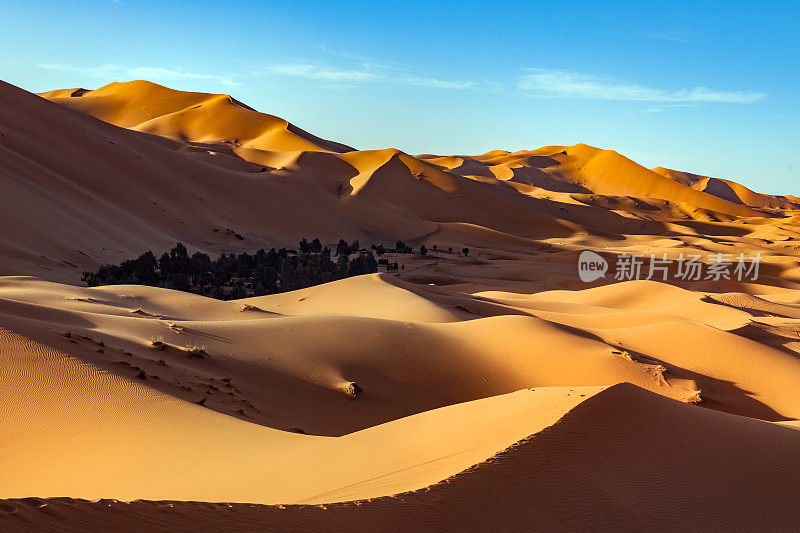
x: 111, y: 70
x: 107, y: 69
x: 565, y: 84
x: 436, y: 83
x: 365, y: 73
x: 301, y: 70
x: 365, y: 60
x: 160, y: 73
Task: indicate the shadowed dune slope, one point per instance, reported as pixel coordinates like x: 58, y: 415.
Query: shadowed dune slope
x: 650, y: 464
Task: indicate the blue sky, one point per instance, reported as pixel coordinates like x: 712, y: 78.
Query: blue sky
x: 706, y: 87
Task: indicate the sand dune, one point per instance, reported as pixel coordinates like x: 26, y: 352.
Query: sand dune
x: 483, y: 389
x: 586, y: 169
x: 643, y: 449
x: 91, y: 434
x: 428, y: 348
x: 730, y: 190
x: 220, y: 119
x: 144, y: 106
x: 438, y: 372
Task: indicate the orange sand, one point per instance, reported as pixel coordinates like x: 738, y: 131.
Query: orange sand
x: 499, y: 391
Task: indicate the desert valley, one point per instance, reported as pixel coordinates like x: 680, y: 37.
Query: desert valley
x: 480, y: 385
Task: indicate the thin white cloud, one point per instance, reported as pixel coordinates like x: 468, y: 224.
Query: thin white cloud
x: 108, y: 69
x: 160, y: 73
x: 364, y: 74
x: 301, y: 70
x: 565, y: 84
x: 436, y: 83
x: 366, y: 61
x: 334, y: 75
x: 111, y: 70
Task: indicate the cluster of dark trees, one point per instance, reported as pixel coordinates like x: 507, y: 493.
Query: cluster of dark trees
x: 233, y: 276
x: 423, y: 250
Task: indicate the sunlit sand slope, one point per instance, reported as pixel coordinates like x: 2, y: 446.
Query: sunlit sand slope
x: 292, y: 357
x: 72, y: 429
x: 622, y: 459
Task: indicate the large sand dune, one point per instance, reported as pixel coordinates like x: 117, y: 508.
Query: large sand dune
x: 621, y: 459
x: 488, y: 390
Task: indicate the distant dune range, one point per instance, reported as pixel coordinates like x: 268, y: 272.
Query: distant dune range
x: 492, y: 391
x: 202, y: 168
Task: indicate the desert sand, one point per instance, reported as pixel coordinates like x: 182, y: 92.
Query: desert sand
x: 492, y: 390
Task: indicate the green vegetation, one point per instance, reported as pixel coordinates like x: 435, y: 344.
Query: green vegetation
x: 403, y: 248
x: 234, y: 276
